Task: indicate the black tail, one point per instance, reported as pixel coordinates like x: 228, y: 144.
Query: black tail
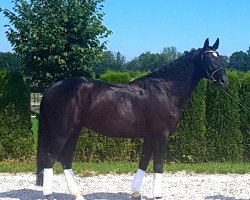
x: 43, y: 131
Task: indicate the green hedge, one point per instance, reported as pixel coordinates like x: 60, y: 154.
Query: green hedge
x: 16, y: 139
x: 223, y: 135
x: 94, y: 147
x: 116, y: 77
x: 245, y: 114
x: 188, y: 143
x: 13, y: 91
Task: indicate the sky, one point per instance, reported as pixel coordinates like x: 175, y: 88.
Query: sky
x: 139, y: 26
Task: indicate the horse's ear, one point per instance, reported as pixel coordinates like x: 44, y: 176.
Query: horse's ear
x: 216, y: 44
x: 206, y: 44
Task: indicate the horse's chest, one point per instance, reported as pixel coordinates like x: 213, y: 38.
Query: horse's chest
x: 163, y: 117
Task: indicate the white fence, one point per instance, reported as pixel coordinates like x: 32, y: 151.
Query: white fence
x: 35, y: 100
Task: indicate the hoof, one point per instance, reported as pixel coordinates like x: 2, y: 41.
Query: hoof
x: 158, y: 197
x: 39, y: 179
x: 136, y: 196
x: 48, y: 197
x: 78, y: 197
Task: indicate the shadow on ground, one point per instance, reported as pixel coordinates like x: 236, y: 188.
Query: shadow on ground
x: 28, y: 194
x: 222, y: 197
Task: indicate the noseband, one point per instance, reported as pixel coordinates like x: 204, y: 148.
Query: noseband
x: 211, y: 75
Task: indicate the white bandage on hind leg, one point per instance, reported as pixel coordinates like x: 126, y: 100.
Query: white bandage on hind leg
x: 136, y: 186
x: 47, y: 181
x: 72, y: 185
x: 157, y: 187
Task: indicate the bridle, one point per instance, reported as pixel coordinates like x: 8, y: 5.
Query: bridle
x: 211, y: 75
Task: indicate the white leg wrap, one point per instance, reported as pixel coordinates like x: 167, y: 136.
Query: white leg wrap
x: 47, y: 181
x: 157, y: 188
x: 72, y: 185
x: 136, y: 186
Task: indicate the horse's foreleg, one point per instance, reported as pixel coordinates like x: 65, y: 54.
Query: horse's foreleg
x: 159, y: 149
x: 144, y: 161
x: 47, y: 181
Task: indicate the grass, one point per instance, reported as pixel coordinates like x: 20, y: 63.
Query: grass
x: 34, y: 129
x: 90, y: 169
x: 210, y: 168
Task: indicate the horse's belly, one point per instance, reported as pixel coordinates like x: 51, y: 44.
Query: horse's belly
x: 122, y: 129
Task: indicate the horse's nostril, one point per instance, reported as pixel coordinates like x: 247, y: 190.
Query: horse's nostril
x: 223, y: 81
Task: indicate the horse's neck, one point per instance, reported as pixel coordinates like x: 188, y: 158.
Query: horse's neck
x: 184, y: 89
x: 184, y: 79
x: 180, y: 80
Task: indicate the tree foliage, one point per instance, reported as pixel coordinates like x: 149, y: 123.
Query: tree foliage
x: 240, y: 60
x: 9, y: 61
x: 57, y: 39
x: 151, y: 62
x: 109, y: 61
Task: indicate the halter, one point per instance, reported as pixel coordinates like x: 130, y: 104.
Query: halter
x: 211, y: 76
x: 215, y: 53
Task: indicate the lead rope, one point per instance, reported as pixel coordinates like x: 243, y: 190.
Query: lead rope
x: 236, y: 101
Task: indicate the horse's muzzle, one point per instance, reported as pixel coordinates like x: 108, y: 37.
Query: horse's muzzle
x: 223, y: 81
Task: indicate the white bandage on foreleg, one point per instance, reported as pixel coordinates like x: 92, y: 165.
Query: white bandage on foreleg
x: 72, y: 185
x: 136, y: 186
x: 47, y: 181
x: 157, y: 187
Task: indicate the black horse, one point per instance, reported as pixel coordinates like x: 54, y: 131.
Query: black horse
x: 148, y: 108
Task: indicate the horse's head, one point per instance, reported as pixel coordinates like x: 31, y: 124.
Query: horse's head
x: 212, y: 63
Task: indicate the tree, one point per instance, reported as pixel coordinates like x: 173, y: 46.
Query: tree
x: 120, y: 61
x: 9, y: 61
x: 152, y: 62
x: 57, y: 39
x: 240, y: 61
x: 109, y: 61
x: 170, y: 54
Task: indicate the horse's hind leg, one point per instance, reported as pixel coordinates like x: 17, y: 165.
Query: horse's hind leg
x: 66, y: 159
x: 52, y: 151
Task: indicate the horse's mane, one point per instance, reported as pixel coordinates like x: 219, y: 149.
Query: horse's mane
x: 169, y: 69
